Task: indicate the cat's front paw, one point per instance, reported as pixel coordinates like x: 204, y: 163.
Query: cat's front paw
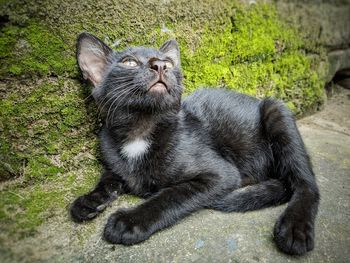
x: 125, y: 227
x: 87, y: 207
x: 293, y: 235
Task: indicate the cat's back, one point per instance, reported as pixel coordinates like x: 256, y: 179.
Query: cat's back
x: 230, y: 122
x: 223, y: 108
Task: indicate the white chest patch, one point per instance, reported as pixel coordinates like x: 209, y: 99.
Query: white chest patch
x: 135, y: 148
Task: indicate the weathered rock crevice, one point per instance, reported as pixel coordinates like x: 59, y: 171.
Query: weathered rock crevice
x: 339, y: 61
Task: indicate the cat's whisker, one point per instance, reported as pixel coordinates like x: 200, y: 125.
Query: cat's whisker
x: 105, y: 104
x: 101, y: 107
x: 110, y: 96
x: 118, y: 79
x: 112, y: 116
x: 86, y: 98
x: 132, y: 90
x: 132, y: 94
x: 115, y: 99
x: 121, y: 96
x: 111, y: 92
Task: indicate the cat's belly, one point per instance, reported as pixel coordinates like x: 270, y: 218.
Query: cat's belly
x: 149, y: 174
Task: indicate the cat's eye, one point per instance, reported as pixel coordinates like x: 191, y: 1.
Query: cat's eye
x: 130, y: 62
x: 168, y: 64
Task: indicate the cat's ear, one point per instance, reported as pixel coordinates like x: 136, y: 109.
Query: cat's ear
x: 171, y: 49
x: 93, y: 56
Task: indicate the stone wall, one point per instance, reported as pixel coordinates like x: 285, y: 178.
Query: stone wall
x: 325, y: 23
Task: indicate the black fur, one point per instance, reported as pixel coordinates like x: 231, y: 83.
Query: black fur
x: 216, y: 149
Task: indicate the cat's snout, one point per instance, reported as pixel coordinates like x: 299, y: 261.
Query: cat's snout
x: 159, y: 66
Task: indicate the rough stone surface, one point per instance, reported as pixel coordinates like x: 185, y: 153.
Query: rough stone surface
x: 209, y: 236
x: 325, y: 23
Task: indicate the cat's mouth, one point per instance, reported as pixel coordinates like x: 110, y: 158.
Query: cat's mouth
x: 158, y: 87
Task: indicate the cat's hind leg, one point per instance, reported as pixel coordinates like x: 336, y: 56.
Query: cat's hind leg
x: 294, y: 231
x: 252, y: 197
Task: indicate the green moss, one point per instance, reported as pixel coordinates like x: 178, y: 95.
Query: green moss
x: 24, y: 207
x: 52, y: 113
x: 41, y: 167
x: 33, y: 49
x: 256, y: 54
x: 130, y: 199
x: 10, y: 161
x: 72, y: 117
x: 22, y: 211
x: 242, y: 47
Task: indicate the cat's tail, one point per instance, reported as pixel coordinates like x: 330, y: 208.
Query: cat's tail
x: 253, y: 197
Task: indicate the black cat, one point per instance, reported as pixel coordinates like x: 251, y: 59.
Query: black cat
x: 215, y: 149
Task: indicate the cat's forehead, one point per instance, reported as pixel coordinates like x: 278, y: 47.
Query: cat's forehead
x: 142, y: 53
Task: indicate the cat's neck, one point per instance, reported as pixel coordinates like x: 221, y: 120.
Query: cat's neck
x: 141, y: 125
x: 136, y: 134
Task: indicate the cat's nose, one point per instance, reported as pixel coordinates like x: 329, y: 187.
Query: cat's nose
x: 158, y: 65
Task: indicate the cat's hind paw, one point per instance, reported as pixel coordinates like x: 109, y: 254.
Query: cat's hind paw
x: 293, y: 236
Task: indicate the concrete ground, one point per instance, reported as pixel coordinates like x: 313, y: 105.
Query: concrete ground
x: 209, y: 236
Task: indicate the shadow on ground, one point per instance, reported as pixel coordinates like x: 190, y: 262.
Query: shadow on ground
x: 210, y: 236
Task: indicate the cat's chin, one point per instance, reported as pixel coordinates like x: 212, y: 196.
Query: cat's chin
x: 158, y: 88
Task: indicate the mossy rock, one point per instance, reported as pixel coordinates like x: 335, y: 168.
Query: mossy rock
x: 48, y: 122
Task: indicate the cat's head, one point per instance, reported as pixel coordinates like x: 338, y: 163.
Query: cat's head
x: 135, y: 79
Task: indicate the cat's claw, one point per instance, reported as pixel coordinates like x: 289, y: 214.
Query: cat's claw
x: 102, y: 207
x: 92, y: 215
x: 292, y: 236
x: 125, y: 227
